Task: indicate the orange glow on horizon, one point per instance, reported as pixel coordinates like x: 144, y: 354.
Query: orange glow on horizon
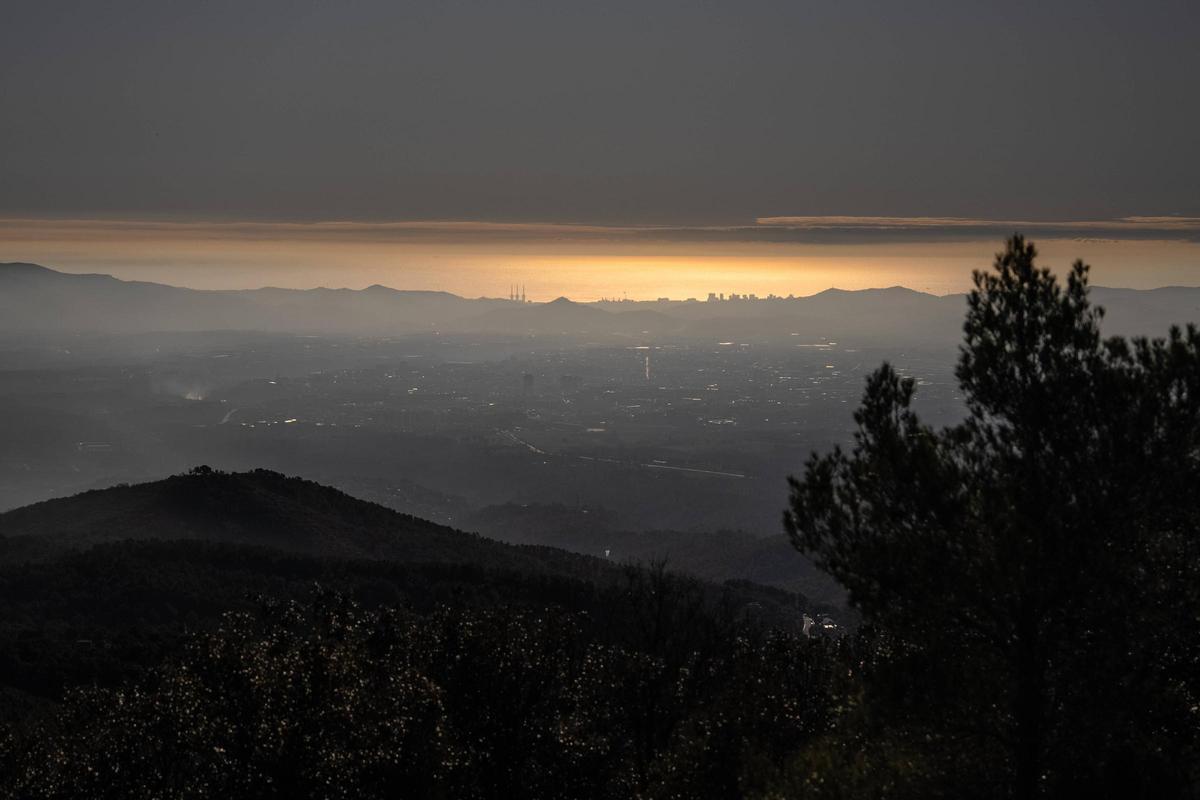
x: 548, y: 259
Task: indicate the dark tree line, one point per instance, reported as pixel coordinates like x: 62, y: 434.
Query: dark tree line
x: 1034, y: 568
x: 665, y: 696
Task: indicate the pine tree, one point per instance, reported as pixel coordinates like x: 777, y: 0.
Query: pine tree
x: 1035, y: 565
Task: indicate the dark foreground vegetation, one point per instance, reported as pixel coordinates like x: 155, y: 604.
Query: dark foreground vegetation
x: 652, y: 692
x: 1027, y: 585
x: 368, y: 653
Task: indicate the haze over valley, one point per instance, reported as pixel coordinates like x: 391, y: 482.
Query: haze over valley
x: 573, y: 424
x: 588, y: 401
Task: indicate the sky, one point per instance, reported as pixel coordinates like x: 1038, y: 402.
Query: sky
x: 632, y: 138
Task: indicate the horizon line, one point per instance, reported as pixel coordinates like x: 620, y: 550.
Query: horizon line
x: 736, y: 297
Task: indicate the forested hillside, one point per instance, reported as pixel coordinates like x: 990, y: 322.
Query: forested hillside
x: 110, y: 598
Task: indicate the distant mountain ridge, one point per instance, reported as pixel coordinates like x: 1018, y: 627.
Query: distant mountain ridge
x: 35, y: 298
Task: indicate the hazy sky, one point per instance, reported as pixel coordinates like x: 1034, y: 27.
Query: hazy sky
x: 639, y: 111
x: 691, y: 114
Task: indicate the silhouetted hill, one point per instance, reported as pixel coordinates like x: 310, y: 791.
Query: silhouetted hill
x: 260, y: 508
x: 13, y: 271
x: 288, y: 515
x: 96, y: 587
x: 1133, y: 312
x: 39, y: 299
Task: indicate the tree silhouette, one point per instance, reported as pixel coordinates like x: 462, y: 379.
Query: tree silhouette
x: 1034, y: 566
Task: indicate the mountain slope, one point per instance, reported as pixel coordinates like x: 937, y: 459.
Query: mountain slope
x: 96, y: 587
x: 259, y: 508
